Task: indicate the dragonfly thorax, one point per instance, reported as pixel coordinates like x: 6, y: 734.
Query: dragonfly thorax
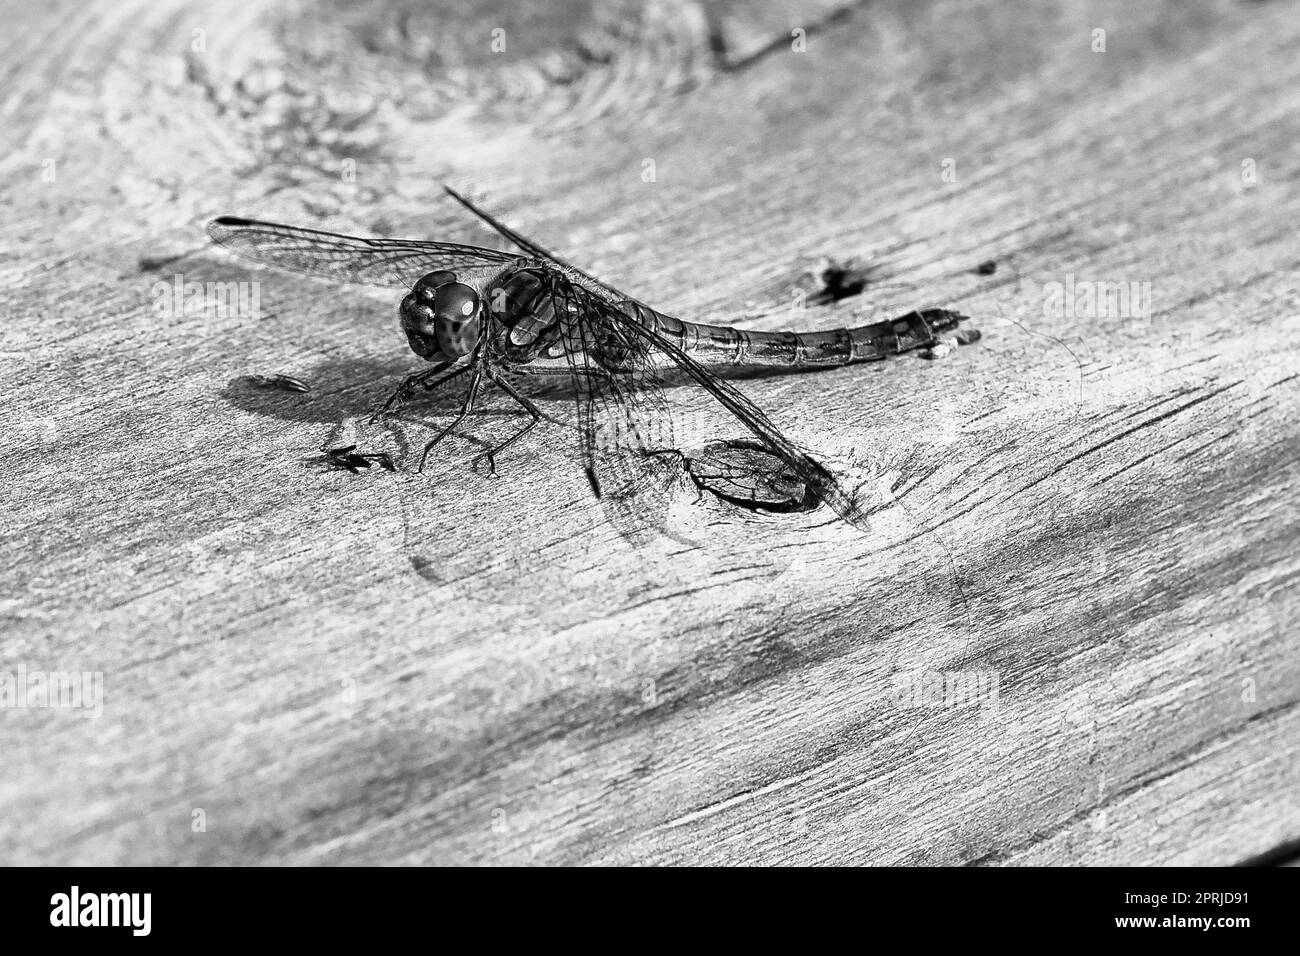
x: 441, y: 317
x: 525, y: 325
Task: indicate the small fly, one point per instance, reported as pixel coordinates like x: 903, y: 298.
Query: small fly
x: 348, y: 457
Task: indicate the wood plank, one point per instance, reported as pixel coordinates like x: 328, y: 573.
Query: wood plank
x: 1095, y: 512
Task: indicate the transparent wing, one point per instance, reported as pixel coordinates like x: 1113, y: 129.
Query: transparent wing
x: 624, y: 420
x: 535, y: 250
x: 613, y: 350
x: 745, y: 473
x: 383, y: 262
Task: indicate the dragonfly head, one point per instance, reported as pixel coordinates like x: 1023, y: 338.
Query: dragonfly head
x: 441, y: 317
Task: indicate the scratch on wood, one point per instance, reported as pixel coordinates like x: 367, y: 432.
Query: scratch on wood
x: 1125, y: 434
x: 703, y: 813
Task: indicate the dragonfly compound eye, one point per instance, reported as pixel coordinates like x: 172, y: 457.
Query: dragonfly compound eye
x: 457, y: 319
x: 427, y: 288
x: 419, y: 323
x: 419, y: 314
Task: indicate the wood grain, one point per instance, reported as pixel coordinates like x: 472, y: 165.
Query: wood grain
x: 1097, y: 512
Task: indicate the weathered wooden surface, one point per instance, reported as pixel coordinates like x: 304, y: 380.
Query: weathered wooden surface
x: 377, y: 668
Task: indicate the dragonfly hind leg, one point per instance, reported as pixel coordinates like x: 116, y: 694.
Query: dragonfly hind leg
x: 535, y: 416
x: 466, y: 407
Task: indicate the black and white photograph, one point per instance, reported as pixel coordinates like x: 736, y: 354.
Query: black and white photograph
x: 594, y: 433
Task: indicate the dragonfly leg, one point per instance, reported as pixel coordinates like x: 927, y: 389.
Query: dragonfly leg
x: 425, y: 379
x: 533, y: 411
x: 466, y: 407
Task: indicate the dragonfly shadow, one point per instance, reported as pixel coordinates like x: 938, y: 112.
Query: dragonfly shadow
x: 344, y: 389
x: 338, y: 389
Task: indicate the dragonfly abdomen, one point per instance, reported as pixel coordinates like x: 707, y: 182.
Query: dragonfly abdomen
x: 722, y: 345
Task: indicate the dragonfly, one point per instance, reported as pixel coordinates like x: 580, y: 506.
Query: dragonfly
x: 484, y: 315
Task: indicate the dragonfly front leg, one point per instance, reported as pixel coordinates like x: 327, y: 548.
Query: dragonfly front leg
x: 427, y: 379
x: 528, y: 406
x: 466, y: 407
